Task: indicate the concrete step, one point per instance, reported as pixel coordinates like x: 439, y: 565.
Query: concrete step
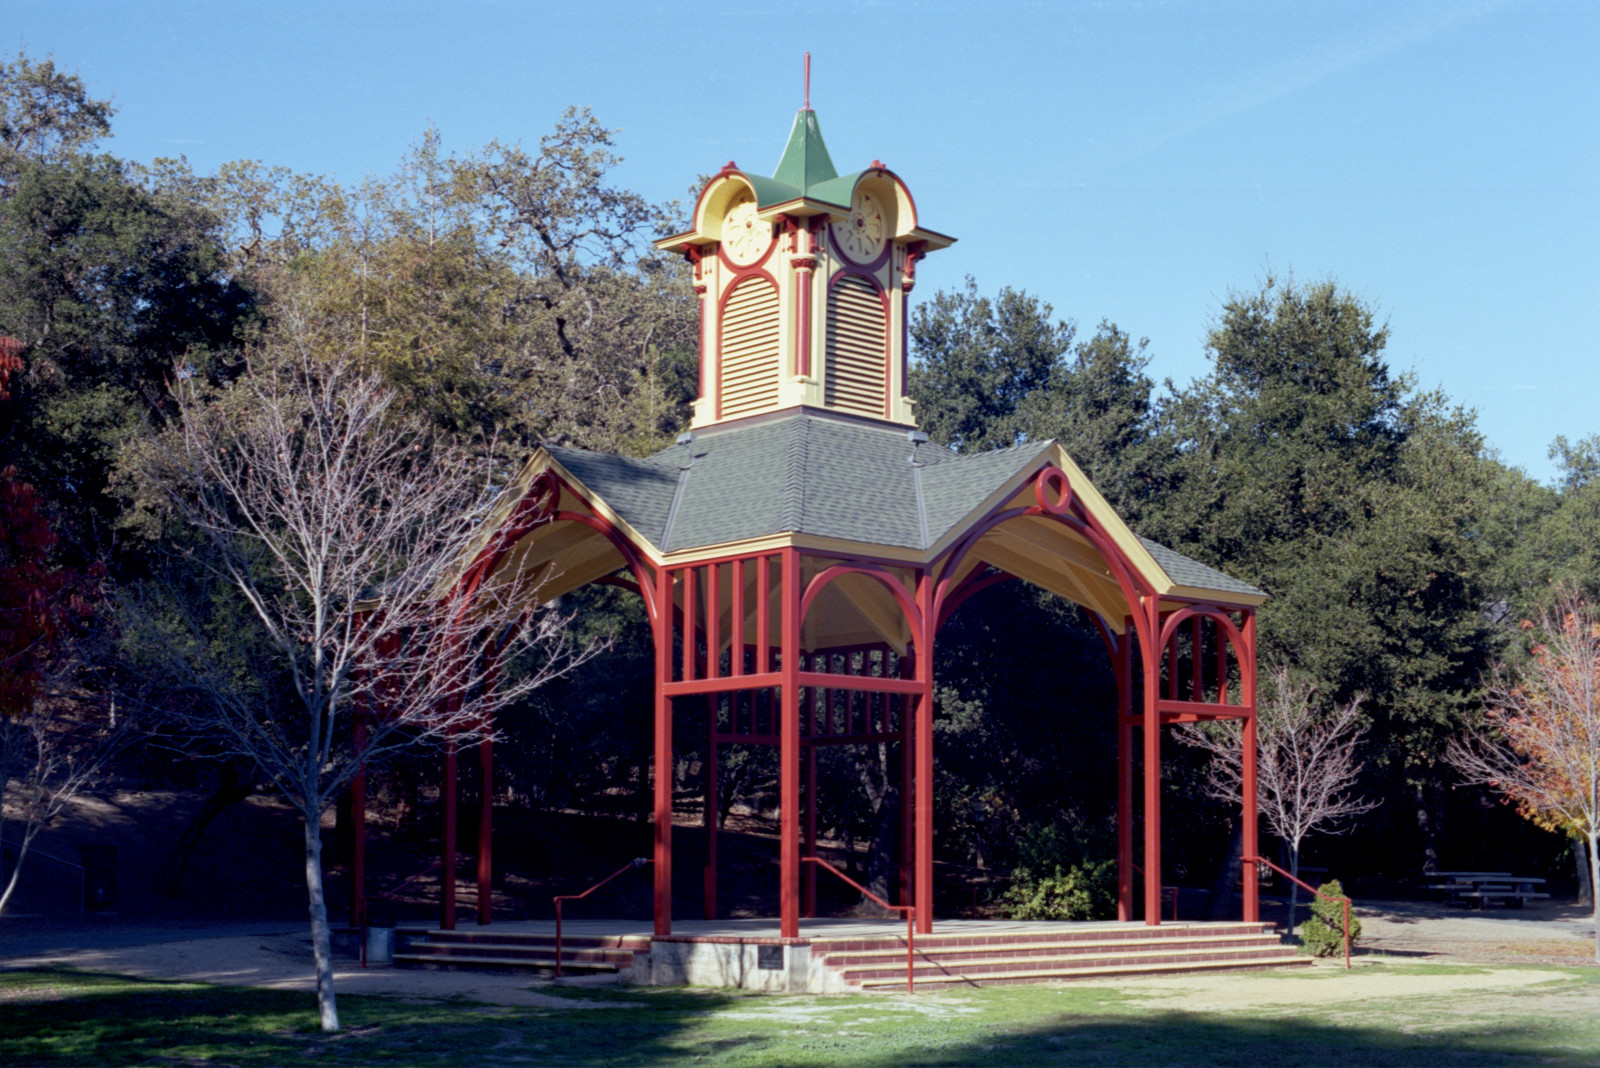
x: 1051, y: 949
x: 538, y: 965
x: 1120, y: 933
x: 888, y: 967
x: 1045, y: 974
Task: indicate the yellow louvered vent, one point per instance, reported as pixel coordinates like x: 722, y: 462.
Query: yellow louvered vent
x: 858, y: 349
x: 749, y: 349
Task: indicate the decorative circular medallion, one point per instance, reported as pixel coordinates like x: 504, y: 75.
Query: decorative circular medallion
x: 861, y: 236
x: 745, y: 237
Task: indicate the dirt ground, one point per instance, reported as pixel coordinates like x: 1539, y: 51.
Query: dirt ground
x: 278, y: 956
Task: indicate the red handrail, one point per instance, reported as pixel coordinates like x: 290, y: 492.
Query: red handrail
x: 909, y: 910
x: 1314, y: 890
x: 636, y: 862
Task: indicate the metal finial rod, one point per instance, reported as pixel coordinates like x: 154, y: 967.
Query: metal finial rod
x: 808, y: 81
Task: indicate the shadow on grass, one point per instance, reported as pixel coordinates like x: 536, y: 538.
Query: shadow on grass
x: 60, y: 1017
x: 55, y: 1017
x: 1175, y: 1038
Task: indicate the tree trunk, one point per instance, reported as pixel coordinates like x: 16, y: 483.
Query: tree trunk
x: 233, y: 787
x: 1294, y: 887
x: 1429, y: 826
x: 1594, y: 884
x: 16, y: 869
x: 1220, y: 906
x: 321, y: 935
x: 1580, y: 853
x: 874, y: 776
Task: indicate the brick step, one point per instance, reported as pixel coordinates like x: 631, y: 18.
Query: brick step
x: 888, y: 968
x: 541, y: 965
x: 1108, y: 934
x: 1061, y: 950
x: 891, y: 979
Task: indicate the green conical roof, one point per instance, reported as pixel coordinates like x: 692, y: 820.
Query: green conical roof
x: 805, y: 161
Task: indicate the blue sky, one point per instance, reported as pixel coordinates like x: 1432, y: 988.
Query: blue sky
x: 1129, y: 161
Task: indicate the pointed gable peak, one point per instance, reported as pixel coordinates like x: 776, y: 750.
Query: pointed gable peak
x: 805, y: 161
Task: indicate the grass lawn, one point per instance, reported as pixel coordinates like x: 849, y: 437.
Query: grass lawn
x: 1377, y: 1015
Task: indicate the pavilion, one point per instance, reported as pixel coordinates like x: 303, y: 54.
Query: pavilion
x: 798, y: 550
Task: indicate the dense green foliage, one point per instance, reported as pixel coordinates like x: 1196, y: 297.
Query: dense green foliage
x: 1323, y: 933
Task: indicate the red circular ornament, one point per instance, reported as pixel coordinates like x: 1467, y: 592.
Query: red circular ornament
x: 1052, y: 490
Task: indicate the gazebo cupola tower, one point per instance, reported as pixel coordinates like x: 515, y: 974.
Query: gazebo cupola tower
x: 803, y: 280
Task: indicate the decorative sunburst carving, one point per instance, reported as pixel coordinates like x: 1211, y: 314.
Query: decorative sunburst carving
x: 861, y: 236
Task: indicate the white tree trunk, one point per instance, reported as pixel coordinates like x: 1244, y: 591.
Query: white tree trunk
x: 16, y: 872
x: 1594, y: 884
x: 1294, y: 887
x: 321, y: 935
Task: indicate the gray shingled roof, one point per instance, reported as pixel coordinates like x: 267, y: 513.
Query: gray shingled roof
x: 821, y: 474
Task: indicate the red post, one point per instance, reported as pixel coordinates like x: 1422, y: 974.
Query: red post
x: 924, y: 631
x: 663, y: 725
x: 1124, y: 669
x: 1197, y: 684
x: 789, y: 750
x: 486, y: 831
x: 447, y: 859
x: 810, y: 888
x: 1152, y: 771
x: 1248, y: 788
x: 713, y: 801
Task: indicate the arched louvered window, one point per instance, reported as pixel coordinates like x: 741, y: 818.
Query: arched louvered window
x: 858, y: 348
x: 749, y: 349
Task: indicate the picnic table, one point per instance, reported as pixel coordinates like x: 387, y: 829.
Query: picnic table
x: 1487, y: 887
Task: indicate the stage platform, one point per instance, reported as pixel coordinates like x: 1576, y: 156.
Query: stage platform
x: 842, y: 955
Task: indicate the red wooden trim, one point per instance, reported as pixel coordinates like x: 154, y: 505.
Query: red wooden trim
x: 826, y: 576
x: 923, y: 880
x: 736, y: 638
x: 1247, y: 678
x: 713, y: 621
x: 662, y: 875
x: 789, y: 751
x: 1152, y: 769
x: 725, y: 685
x: 447, y: 860
x: 1124, y: 672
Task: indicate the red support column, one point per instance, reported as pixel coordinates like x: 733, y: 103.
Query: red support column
x: 486, y: 831
x: 810, y: 889
x: 908, y: 776
x: 1247, y: 680
x: 663, y: 726
x: 924, y: 632
x: 789, y: 750
x: 447, y: 859
x: 358, y: 823
x: 713, y: 801
x: 1124, y: 670
x: 1152, y: 771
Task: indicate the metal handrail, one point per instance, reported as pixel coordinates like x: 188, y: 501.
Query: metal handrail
x: 909, y: 910
x: 1319, y: 893
x: 361, y: 903
x: 636, y: 862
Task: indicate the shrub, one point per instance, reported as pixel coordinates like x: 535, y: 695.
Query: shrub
x: 1084, y: 891
x: 1323, y: 933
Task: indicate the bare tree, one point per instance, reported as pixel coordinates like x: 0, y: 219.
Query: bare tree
x: 353, y: 541
x: 1305, y: 767
x: 1539, y: 746
x: 49, y: 756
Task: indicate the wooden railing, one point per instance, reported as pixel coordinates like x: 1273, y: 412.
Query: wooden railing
x: 909, y: 910
x: 559, y: 899
x: 1318, y: 893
